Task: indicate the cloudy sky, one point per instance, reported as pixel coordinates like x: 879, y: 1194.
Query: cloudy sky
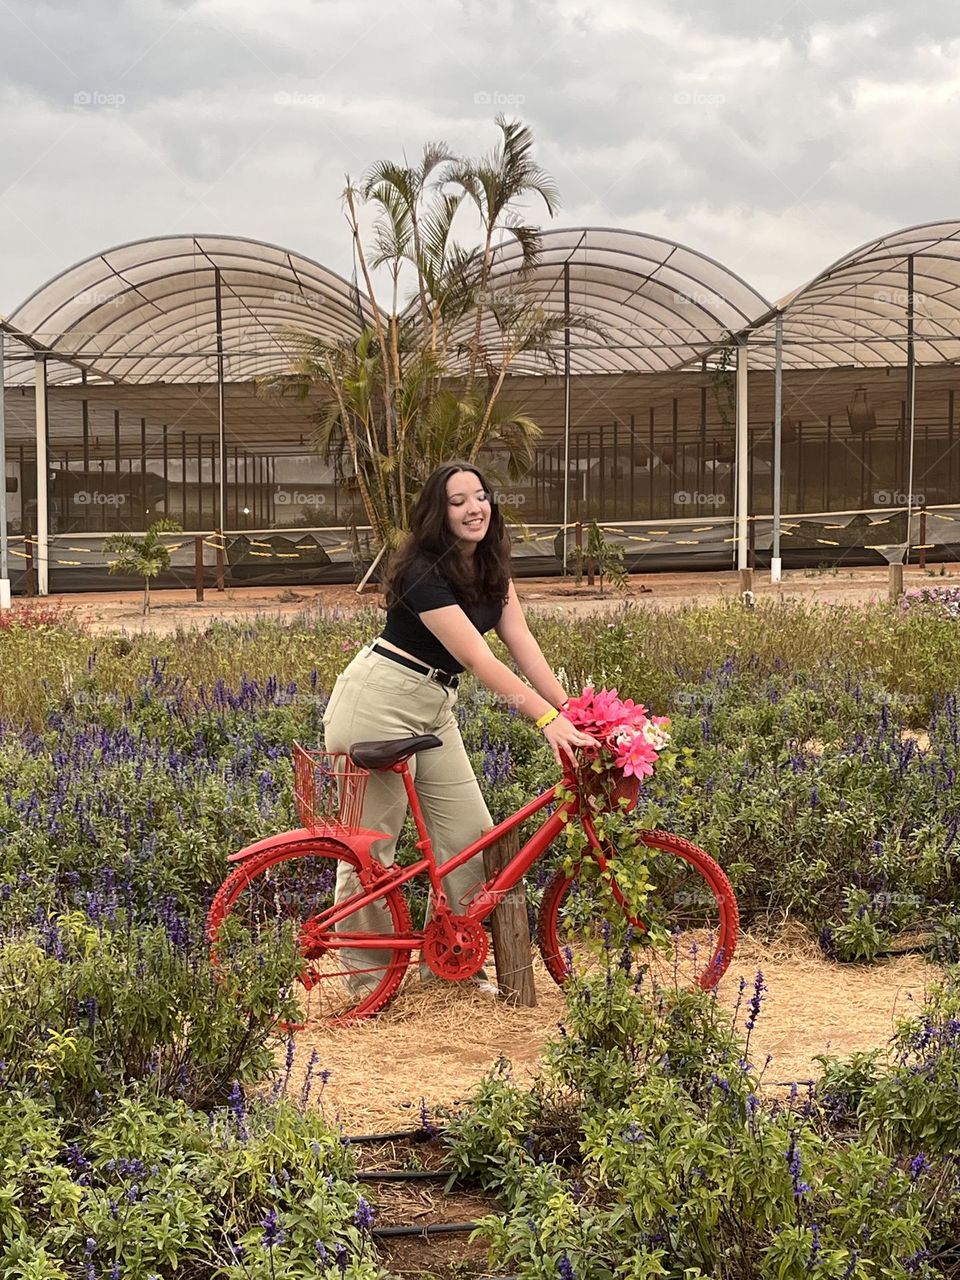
x: 773, y: 135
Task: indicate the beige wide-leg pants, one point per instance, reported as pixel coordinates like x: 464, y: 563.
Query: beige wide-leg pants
x: 375, y: 698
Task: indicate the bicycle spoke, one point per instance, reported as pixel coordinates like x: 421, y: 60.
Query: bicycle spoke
x: 682, y: 937
x: 298, y: 887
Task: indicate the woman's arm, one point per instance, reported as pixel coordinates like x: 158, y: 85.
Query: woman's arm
x: 460, y: 637
x: 526, y: 652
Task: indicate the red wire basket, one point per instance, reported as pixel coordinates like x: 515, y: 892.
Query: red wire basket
x: 328, y: 789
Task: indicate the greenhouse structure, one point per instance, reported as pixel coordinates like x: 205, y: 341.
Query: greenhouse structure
x: 700, y: 424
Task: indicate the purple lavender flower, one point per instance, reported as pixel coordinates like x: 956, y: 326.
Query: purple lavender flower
x: 753, y: 1005
x: 272, y: 1231
x: 792, y: 1155
x: 918, y: 1166
x: 816, y: 1246
x: 364, y: 1215
x: 565, y: 1267
x: 426, y: 1124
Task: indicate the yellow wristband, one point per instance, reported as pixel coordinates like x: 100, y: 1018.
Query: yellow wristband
x: 547, y: 717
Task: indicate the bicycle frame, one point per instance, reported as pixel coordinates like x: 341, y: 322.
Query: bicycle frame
x: 488, y: 896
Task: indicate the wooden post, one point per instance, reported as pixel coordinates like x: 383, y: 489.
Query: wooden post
x: 198, y: 566
x: 30, y: 577
x: 895, y: 580
x: 922, y: 549
x: 511, y: 928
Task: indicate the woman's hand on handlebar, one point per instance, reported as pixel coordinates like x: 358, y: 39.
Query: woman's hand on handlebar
x: 564, y: 737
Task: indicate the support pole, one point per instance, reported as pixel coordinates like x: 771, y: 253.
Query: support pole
x: 362, y: 585
x: 742, y: 457
x: 42, y: 541
x: 221, y: 430
x: 566, y: 409
x: 510, y: 927
x: 4, y: 552
x: 775, y: 561
x: 911, y: 398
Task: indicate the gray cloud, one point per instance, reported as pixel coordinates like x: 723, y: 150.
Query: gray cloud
x: 774, y: 137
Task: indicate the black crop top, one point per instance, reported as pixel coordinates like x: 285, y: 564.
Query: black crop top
x: 424, y: 587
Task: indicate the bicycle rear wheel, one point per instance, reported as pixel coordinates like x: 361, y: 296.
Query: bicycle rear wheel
x: 691, y: 899
x: 296, y: 884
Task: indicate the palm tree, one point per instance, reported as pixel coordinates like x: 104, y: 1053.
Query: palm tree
x: 144, y: 557
x: 405, y: 395
x: 494, y: 184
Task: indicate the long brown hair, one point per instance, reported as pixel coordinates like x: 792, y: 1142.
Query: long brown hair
x: 487, y: 574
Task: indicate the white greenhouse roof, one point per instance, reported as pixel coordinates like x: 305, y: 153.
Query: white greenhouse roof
x: 854, y: 313
x: 659, y: 305
x: 146, y: 311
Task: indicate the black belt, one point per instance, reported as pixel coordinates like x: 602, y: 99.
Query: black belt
x: 442, y: 677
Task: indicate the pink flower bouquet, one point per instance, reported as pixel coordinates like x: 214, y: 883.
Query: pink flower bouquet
x: 631, y: 738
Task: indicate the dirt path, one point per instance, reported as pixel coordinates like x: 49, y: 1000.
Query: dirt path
x: 116, y: 610
x: 437, y: 1041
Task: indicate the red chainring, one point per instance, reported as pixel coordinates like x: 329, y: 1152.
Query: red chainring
x: 455, y: 947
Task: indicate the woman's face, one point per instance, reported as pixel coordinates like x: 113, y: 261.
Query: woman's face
x: 468, y: 508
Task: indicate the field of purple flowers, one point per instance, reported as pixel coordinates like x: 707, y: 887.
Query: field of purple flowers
x: 815, y: 754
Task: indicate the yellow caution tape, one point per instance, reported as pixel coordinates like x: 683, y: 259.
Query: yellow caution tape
x: 827, y: 543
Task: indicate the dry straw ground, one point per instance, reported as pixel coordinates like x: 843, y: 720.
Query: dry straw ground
x: 438, y: 1039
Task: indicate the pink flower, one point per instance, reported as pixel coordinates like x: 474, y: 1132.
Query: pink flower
x: 636, y: 758
x: 629, y: 735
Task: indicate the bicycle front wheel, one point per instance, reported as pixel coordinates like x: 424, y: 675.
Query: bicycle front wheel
x: 296, y: 884
x: 685, y: 936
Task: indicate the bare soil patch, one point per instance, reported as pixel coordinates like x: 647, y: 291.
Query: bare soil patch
x: 175, y: 609
x: 437, y: 1040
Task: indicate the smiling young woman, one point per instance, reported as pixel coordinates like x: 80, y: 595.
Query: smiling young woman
x: 446, y: 587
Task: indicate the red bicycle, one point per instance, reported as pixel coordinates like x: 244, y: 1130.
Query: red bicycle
x: 685, y: 934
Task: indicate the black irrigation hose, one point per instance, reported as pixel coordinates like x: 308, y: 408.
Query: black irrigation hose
x: 403, y: 1135
x: 432, y: 1229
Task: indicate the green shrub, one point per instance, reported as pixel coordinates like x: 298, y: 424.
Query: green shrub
x: 87, y: 1011
x: 157, y: 1189
x: 683, y: 1169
